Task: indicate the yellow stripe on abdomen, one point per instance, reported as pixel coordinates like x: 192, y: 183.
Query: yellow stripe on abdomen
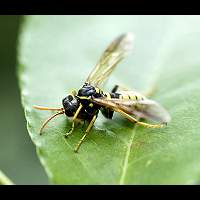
x: 124, y: 96
x: 108, y: 96
x: 131, y: 95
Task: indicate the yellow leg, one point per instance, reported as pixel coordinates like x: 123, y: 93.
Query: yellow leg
x: 86, y: 133
x: 132, y: 119
x: 73, y: 121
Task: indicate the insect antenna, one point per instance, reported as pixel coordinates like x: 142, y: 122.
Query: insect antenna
x: 46, y: 108
x: 49, y: 119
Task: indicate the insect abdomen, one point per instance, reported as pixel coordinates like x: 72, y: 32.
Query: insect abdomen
x: 108, y: 113
x: 130, y: 95
x: 113, y: 95
x: 124, y: 95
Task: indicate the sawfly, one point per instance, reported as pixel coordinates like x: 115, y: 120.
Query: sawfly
x: 90, y: 98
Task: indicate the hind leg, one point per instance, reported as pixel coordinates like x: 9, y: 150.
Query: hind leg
x: 147, y: 93
x: 106, y: 111
x: 134, y: 120
x: 121, y: 87
x: 115, y: 89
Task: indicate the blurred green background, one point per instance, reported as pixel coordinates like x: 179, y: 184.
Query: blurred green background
x: 18, y: 158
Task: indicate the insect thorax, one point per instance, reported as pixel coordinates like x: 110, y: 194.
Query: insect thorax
x: 84, y: 95
x: 107, y: 112
x: 90, y: 91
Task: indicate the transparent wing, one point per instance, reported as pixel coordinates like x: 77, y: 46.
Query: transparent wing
x: 114, y: 53
x: 147, y: 109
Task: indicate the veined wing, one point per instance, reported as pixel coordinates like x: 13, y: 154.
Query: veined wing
x: 114, y: 53
x: 147, y: 109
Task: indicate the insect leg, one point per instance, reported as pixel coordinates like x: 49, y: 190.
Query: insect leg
x: 115, y: 88
x: 147, y: 93
x: 132, y: 119
x: 106, y: 111
x: 86, y: 133
x: 73, y: 121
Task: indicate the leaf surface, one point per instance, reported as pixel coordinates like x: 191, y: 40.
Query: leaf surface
x: 56, y: 54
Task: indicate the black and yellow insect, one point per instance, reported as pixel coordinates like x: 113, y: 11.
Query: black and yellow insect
x: 86, y: 103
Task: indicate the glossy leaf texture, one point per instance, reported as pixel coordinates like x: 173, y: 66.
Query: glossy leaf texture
x: 56, y: 54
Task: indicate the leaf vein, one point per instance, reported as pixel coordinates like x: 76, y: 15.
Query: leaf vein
x: 125, y: 164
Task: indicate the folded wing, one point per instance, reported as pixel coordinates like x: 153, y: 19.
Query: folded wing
x: 147, y: 109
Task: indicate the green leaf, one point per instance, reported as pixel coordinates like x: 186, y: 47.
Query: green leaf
x: 56, y: 53
x: 4, y: 180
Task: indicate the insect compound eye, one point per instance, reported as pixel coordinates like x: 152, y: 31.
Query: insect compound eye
x: 70, y: 105
x: 67, y: 101
x: 70, y: 98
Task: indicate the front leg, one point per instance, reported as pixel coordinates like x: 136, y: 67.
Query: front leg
x: 86, y: 133
x: 73, y: 121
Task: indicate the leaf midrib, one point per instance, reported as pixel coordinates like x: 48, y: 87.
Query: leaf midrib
x: 127, y: 153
